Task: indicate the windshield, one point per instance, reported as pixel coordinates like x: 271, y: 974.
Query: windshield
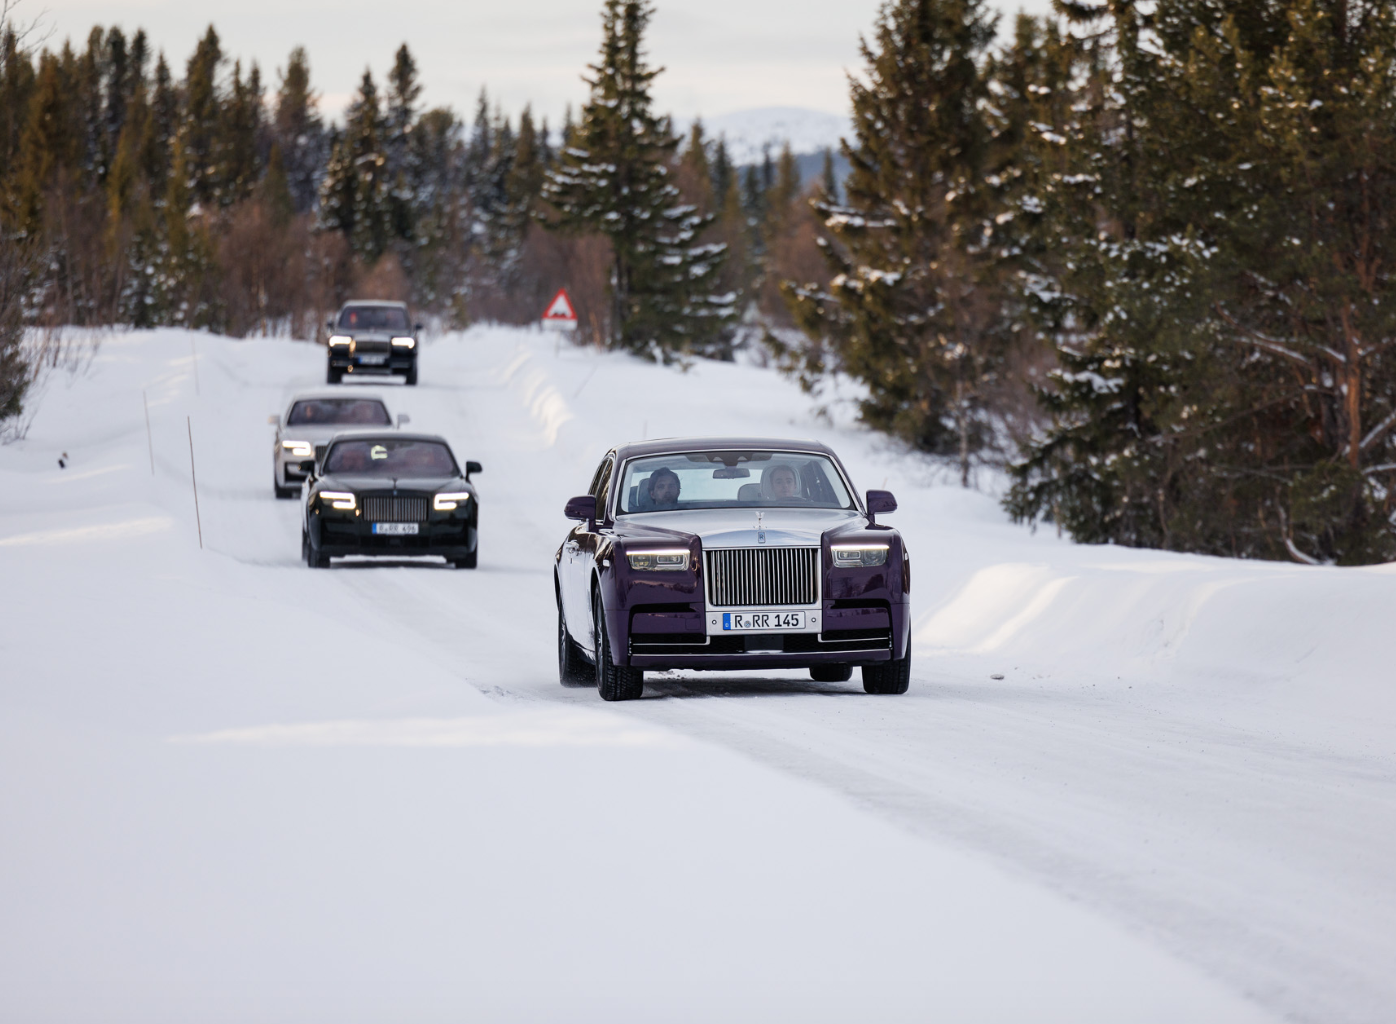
x: 755, y: 479
x: 391, y: 458
x: 373, y: 318
x: 328, y: 412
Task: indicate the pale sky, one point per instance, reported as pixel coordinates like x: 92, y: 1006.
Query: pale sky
x: 720, y: 55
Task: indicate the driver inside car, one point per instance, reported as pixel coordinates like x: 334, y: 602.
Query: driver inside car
x: 780, y: 482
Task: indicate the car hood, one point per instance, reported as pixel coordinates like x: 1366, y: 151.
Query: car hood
x: 319, y: 434
x: 348, y: 482
x: 737, y: 527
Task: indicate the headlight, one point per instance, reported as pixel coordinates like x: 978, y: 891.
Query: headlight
x: 448, y: 500
x: 405, y: 342
x: 663, y: 561
x: 340, y: 339
x: 300, y: 449
x: 342, y: 500
x: 855, y: 556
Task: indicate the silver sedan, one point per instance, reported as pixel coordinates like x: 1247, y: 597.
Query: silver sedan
x: 306, y: 427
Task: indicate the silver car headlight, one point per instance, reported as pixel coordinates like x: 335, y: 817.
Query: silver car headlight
x: 405, y: 342
x: 342, y: 500
x: 300, y: 449
x: 856, y: 556
x: 448, y: 501
x: 658, y: 561
x: 338, y: 340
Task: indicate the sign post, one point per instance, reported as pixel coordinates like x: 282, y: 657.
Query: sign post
x: 560, y: 315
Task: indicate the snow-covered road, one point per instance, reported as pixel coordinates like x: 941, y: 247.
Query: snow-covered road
x: 233, y: 786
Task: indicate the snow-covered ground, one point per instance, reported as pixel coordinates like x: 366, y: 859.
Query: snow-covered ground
x: 232, y: 788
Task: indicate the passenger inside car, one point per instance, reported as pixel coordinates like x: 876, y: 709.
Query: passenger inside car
x: 659, y: 492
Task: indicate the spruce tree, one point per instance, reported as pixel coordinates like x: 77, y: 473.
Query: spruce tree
x: 613, y: 178
x: 354, y: 197
x: 203, y: 120
x: 913, y: 309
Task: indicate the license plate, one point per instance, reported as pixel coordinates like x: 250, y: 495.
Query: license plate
x: 764, y: 621
x: 372, y: 360
x: 396, y: 529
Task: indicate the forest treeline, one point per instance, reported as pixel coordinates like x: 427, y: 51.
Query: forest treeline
x: 1138, y: 252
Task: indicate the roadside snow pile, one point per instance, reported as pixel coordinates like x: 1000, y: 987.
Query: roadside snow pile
x: 236, y: 788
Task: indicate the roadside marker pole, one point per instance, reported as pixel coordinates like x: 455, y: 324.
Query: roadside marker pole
x: 195, y: 481
x: 150, y: 442
x: 195, y: 353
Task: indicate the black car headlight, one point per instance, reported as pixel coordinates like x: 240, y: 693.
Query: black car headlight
x: 661, y: 561
x: 857, y: 556
x: 449, y: 501
x: 342, y: 500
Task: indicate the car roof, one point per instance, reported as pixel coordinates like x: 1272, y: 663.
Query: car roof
x: 388, y: 435
x: 666, y: 445
x: 341, y: 395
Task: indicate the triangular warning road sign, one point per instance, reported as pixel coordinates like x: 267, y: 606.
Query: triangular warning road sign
x: 561, y: 308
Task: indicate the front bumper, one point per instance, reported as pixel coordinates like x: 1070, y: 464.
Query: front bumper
x: 395, y: 363
x: 449, y: 538
x: 675, y: 639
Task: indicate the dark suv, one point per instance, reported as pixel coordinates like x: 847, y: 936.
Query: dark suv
x: 373, y: 338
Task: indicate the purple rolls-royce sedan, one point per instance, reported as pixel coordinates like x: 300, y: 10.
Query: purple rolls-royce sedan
x: 730, y: 553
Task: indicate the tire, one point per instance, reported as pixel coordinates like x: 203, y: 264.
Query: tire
x: 410, y: 377
x: 283, y: 492
x: 572, y: 668
x: 311, y: 553
x: 831, y: 673
x: 612, y: 681
x: 888, y: 676
x: 333, y: 376
x: 468, y: 562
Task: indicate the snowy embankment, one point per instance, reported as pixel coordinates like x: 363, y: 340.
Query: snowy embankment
x: 233, y: 787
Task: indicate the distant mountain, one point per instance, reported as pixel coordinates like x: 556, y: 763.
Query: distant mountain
x: 750, y: 132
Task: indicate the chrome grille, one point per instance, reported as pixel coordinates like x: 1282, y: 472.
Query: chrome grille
x: 762, y: 577
x: 395, y: 510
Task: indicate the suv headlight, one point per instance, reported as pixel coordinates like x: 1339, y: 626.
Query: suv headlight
x: 661, y: 561
x: 300, y: 449
x: 446, y: 501
x: 337, y: 340
x: 405, y: 342
x: 342, y: 500
x: 855, y: 556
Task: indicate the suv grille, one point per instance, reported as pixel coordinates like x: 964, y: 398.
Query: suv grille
x: 762, y: 577
x: 395, y: 510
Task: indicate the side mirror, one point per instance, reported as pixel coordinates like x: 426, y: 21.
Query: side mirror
x: 329, y: 325
x: 403, y: 419
x: 879, y: 502
x: 274, y: 420
x: 473, y: 467
x: 582, y: 507
x: 417, y: 328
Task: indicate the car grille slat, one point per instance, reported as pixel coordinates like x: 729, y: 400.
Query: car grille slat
x: 762, y: 577
x: 395, y: 510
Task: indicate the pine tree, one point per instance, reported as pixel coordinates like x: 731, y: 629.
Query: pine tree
x: 354, y: 197
x: 239, y: 137
x: 203, y: 120
x: 913, y: 309
x: 300, y: 133
x: 613, y: 178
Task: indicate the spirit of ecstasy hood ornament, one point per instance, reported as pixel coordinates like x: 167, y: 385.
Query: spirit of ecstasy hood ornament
x: 760, y: 530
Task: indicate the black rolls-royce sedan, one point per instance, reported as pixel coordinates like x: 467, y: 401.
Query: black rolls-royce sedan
x: 730, y: 553
x: 392, y: 493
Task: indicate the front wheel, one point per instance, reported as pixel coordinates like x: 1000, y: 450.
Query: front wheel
x: 410, y: 377
x: 310, y: 551
x: 333, y: 376
x: 612, y: 681
x: 888, y: 676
